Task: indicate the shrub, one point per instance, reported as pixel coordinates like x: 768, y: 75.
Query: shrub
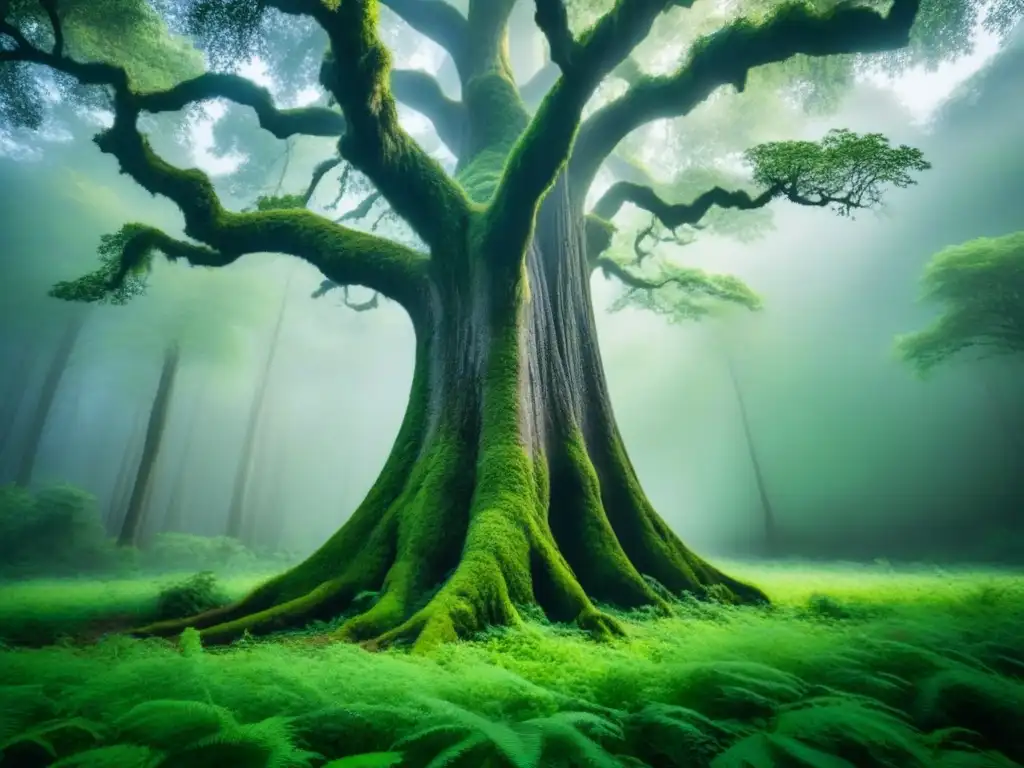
x: 56, y: 532
x: 196, y: 594
x: 187, y: 552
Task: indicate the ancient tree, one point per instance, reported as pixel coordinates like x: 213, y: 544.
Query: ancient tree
x: 508, y: 483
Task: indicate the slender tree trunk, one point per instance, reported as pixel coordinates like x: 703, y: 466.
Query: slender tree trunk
x: 121, y: 491
x: 236, y: 510
x: 131, y: 528
x: 47, y: 396
x: 508, y: 484
x: 771, y: 540
x: 15, y: 393
x: 175, y: 514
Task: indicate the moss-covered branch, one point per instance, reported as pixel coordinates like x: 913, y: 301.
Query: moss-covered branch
x: 545, y: 146
x: 343, y: 255
x: 126, y: 258
x: 357, y: 72
x: 845, y: 171
x: 676, y: 215
x: 726, y: 57
x: 420, y: 91
x: 438, y: 21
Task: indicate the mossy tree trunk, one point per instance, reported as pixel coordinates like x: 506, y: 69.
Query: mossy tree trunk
x: 509, y: 483
x: 134, y: 519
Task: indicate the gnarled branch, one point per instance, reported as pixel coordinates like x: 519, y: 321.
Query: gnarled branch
x: 420, y: 91
x: 726, y: 57
x: 343, y: 255
x: 544, y: 148
x: 282, y: 123
x: 356, y: 73
x: 674, y: 216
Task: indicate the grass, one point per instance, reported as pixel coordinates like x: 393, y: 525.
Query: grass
x: 853, y: 667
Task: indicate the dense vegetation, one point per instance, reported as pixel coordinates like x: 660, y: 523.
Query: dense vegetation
x: 854, y: 666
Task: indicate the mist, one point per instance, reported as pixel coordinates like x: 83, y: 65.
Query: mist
x: 860, y: 458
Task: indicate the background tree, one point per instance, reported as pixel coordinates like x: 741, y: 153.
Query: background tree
x: 509, y: 436
x: 979, y: 287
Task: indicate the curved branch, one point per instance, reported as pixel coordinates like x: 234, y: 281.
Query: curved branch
x: 343, y: 255
x: 553, y: 20
x: 420, y: 91
x: 726, y: 57
x: 356, y: 73
x: 436, y: 20
x: 322, y: 169
x: 543, y: 150
x: 282, y: 123
x: 362, y: 210
x: 673, y: 216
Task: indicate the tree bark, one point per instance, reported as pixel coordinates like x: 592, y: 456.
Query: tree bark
x: 771, y: 539
x: 47, y: 396
x: 508, y: 484
x: 174, y: 516
x: 131, y: 528
x: 236, y: 510
x: 15, y: 392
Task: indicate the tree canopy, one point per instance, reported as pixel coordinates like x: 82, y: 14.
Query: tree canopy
x: 979, y: 288
x: 170, y: 39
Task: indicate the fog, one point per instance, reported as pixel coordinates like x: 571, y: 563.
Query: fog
x: 860, y: 457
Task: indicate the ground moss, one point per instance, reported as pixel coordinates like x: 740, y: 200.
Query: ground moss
x: 908, y: 682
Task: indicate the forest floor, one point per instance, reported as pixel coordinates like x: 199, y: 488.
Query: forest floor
x: 852, y: 667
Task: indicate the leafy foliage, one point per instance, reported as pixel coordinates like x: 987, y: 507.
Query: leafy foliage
x: 681, y: 294
x: 129, y: 33
x: 845, y: 170
x: 905, y: 676
x: 979, y: 286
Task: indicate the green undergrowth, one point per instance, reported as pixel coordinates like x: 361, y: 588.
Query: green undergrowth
x: 852, y: 667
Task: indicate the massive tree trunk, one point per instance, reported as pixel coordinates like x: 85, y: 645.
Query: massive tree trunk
x: 131, y: 527
x: 508, y: 484
x: 47, y: 396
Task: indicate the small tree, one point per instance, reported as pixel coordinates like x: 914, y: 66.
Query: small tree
x: 979, y: 286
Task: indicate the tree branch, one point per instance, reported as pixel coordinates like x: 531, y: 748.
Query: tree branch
x: 726, y: 57
x: 553, y: 20
x: 420, y: 91
x: 343, y: 255
x: 415, y: 185
x: 282, y: 123
x: 543, y: 150
x: 673, y: 216
x: 322, y: 169
x: 438, y: 21
x: 691, y: 283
